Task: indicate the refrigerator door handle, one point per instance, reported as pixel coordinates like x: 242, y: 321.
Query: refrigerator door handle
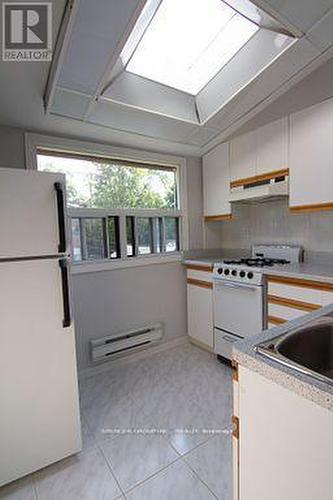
x: 62, y: 247
x: 67, y: 321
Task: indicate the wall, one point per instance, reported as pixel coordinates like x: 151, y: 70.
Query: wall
x: 113, y: 301
x: 195, y: 202
x: 272, y: 222
x: 11, y: 147
x: 315, y: 88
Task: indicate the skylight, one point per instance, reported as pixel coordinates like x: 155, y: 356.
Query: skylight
x: 188, y: 41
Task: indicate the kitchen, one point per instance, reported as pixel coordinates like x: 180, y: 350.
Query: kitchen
x: 167, y: 253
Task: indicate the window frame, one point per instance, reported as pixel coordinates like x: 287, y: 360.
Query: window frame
x: 64, y: 146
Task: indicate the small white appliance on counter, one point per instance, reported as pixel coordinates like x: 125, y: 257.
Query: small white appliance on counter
x: 39, y: 404
x: 239, y: 294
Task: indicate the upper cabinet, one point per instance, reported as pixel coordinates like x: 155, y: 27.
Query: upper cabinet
x: 216, y: 183
x: 243, y: 156
x: 311, y: 158
x: 259, y: 152
x: 272, y: 147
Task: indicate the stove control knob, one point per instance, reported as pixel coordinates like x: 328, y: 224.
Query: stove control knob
x: 226, y: 272
x: 242, y: 274
x: 220, y: 270
x: 250, y: 275
x: 234, y: 272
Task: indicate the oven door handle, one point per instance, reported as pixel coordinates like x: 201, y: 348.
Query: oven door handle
x: 227, y: 284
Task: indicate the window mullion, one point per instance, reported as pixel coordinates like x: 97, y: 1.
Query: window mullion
x: 106, y: 238
x: 151, y: 232
x: 83, y: 239
x: 136, y: 242
x: 163, y: 246
x: 155, y: 234
x: 122, y: 237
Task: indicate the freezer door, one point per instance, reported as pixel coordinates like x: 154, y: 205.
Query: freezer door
x: 32, y: 217
x: 39, y: 409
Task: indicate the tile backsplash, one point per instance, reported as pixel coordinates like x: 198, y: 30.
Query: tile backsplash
x: 272, y: 222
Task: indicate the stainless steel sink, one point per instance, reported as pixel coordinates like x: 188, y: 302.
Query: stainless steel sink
x: 308, y: 349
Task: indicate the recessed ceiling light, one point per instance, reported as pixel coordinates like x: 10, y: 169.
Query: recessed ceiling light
x: 188, y: 41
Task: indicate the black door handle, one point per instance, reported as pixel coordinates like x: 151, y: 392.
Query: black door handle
x: 67, y: 321
x: 62, y: 247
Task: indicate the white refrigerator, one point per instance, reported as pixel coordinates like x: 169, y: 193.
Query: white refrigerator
x: 39, y: 405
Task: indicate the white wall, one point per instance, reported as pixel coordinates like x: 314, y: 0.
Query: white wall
x: 195, y: 202
x: 113, y: 301
x: 11, y: 147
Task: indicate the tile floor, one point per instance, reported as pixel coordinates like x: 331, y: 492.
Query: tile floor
x: 180, y: 389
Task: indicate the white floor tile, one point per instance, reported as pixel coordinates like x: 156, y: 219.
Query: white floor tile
x: 183, y: 442
x: 212, y: 462
x: 134, y: 458
x: 22, y: 489
x: 176, y: 482
x: 82, y: 477
x: 113, y: 416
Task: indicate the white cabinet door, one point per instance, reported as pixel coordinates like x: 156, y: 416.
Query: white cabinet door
x: 200, y: 314
x: 28, y: 213
x: 272, y: 146
x: 39, y: 416
x: 285, y: 443
x: 216, y: 181
x: 243, y: 156
x: 311, y: 155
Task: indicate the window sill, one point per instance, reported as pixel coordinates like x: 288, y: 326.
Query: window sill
x: 113, y: 265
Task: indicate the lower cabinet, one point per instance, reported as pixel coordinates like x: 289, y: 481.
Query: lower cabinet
x: 290, y: 298
x: 200, y: 307
x: 283, y: 447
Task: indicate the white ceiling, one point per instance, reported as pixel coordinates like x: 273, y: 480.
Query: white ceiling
x: 22, y: 85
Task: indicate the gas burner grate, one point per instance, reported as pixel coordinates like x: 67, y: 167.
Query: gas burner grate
x: 257, y: 262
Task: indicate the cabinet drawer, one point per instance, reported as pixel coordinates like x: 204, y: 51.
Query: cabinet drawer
x: 295, y: 293
x: 284, y: 313
x: 200, y: 275
x: 315, y: 297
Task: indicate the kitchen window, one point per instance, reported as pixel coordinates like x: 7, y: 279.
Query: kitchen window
x: 119, y: 210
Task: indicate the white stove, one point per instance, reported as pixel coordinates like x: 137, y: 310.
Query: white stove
x: 239, y: 293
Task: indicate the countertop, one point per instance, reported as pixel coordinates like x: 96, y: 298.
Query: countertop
x: 319, y: 392
x: 311, y: 271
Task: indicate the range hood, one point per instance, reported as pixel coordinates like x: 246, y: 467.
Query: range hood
x: 260, y: 188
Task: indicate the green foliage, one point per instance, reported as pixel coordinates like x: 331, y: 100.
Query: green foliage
x: 117, y: 186
x: 114, y: 186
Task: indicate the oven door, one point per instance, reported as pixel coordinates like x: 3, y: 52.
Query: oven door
x: 238, y: 308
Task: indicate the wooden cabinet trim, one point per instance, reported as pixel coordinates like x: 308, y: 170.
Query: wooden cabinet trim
x: 316, y: 207
x: 258, y: 178
x: 235, y: 374
x: 315, y: 285
x: 293, y: 304
x: 276, y: 321
x: 202, y: 284
x: 217, y: 218
x: 235, y: 423
x: 199, y: 267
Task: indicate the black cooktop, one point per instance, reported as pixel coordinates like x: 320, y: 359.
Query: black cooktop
x: 257, y: 262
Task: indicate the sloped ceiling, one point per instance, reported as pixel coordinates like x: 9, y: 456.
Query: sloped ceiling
x: 98, y: 31
x: 81, y: 70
